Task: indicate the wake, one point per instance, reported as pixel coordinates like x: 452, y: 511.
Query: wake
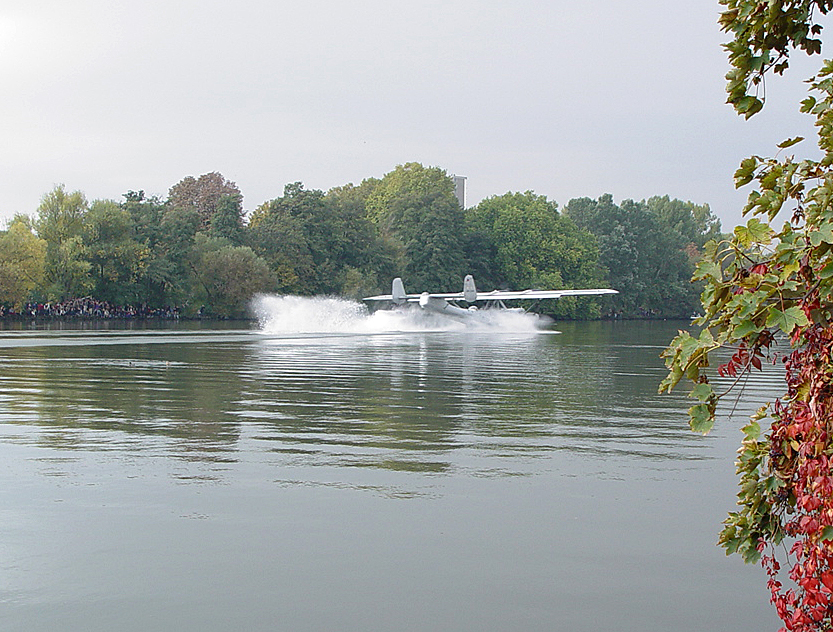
x: 332, y: 315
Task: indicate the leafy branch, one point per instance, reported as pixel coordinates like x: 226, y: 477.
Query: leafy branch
x: 764, y: 285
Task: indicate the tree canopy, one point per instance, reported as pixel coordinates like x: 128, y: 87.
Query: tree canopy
x: 60, y: 223
x: 22, y: 261
x: 532, y: 245
x: 649, y: 249
x: 199, y: 251
x: 415, y: 210
x: 202, y: 194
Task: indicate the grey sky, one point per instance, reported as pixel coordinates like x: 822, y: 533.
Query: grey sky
x: 566, y: 99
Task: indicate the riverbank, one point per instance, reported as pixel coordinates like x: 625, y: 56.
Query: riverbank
x: 88, y: 308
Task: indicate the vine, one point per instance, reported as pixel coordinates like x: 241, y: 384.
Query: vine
x: 802, y: 497
x: 763, y: 286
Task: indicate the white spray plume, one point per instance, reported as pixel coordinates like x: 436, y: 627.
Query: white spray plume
x: 327, y: 314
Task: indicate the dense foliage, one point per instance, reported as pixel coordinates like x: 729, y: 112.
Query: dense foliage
x: 765, y: 287
x: 199, y: 252
x: 532, y: 245
x: 650, y: 249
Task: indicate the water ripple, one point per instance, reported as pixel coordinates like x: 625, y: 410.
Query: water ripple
x: 405, y: 401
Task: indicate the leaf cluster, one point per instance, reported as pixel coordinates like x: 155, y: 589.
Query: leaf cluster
x: 764, y: 32
x: 759, y: 492
x: 763, y: 285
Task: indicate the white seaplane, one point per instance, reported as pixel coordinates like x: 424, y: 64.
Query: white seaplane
x: 446, y: 304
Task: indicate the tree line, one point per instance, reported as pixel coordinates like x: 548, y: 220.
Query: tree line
x: 199, y: 251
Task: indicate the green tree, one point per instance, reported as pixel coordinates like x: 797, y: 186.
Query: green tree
x: 320, y: 244
x: 174, y: 261
x: 60, y: 223
x: 294, y: 233
x: 145, y: 217
x: 228, y: 277
x: 534, y: 242
x: 368, y: 260
x: 647, y: 260
x: 280, y: 241
x: 417, y: 213
x: 227, y: 220
x: 157, y: 275
x: 535, y: 246
x: 764, y: 285
x: 695, y: 224
x: 22, y: 262
x: 117, y: 260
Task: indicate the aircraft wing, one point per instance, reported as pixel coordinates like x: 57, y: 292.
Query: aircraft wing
x: 412, y: 298
x: 498, y: 295
x: 471, y: 295
x: 511, y: 295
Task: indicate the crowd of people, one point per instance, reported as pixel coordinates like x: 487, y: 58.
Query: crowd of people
x: 88, y: 308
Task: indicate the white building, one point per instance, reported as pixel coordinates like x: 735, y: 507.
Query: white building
x: 460, y: 189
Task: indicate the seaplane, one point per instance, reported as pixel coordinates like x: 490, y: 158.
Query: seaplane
x: 448, y: 305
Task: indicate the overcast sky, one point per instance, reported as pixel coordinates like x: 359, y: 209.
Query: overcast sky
x: 567, y: 99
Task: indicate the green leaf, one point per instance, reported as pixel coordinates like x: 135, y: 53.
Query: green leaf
x: 771, y: 178
x: 755, y: 232
x: 672, y: 379
x: 790, y: 142
x: 701, y: 418
x: 731, y: 545
x: 752, y: 430
x: 745, y: 172
x: 823, y: 234
x: 827, y: 271
x: 826, y: 534
x: 748, y: 105
x: 807, y: 104
x: 706, y: 338
x: 759, y: 231
x: 746, y: 328
x: 787, y: 320
x: 688, y: 346
x: 702, y: 391
x: 708, y: 269
x: 773, y: 484
x: 788, y: 270
x: 749, y: 552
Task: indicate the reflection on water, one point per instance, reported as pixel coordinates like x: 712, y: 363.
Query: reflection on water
x: 397, y: 401
x: 484, y: 480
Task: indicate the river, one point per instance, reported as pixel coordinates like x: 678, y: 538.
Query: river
x: 328, y: 470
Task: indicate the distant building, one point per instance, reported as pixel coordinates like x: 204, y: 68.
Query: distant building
x: 460, y: 189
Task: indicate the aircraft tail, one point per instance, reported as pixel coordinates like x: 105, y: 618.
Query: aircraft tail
x: 469, y: 289
x: 398, y: 292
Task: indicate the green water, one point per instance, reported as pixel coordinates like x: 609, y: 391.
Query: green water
x: 228, y: 479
